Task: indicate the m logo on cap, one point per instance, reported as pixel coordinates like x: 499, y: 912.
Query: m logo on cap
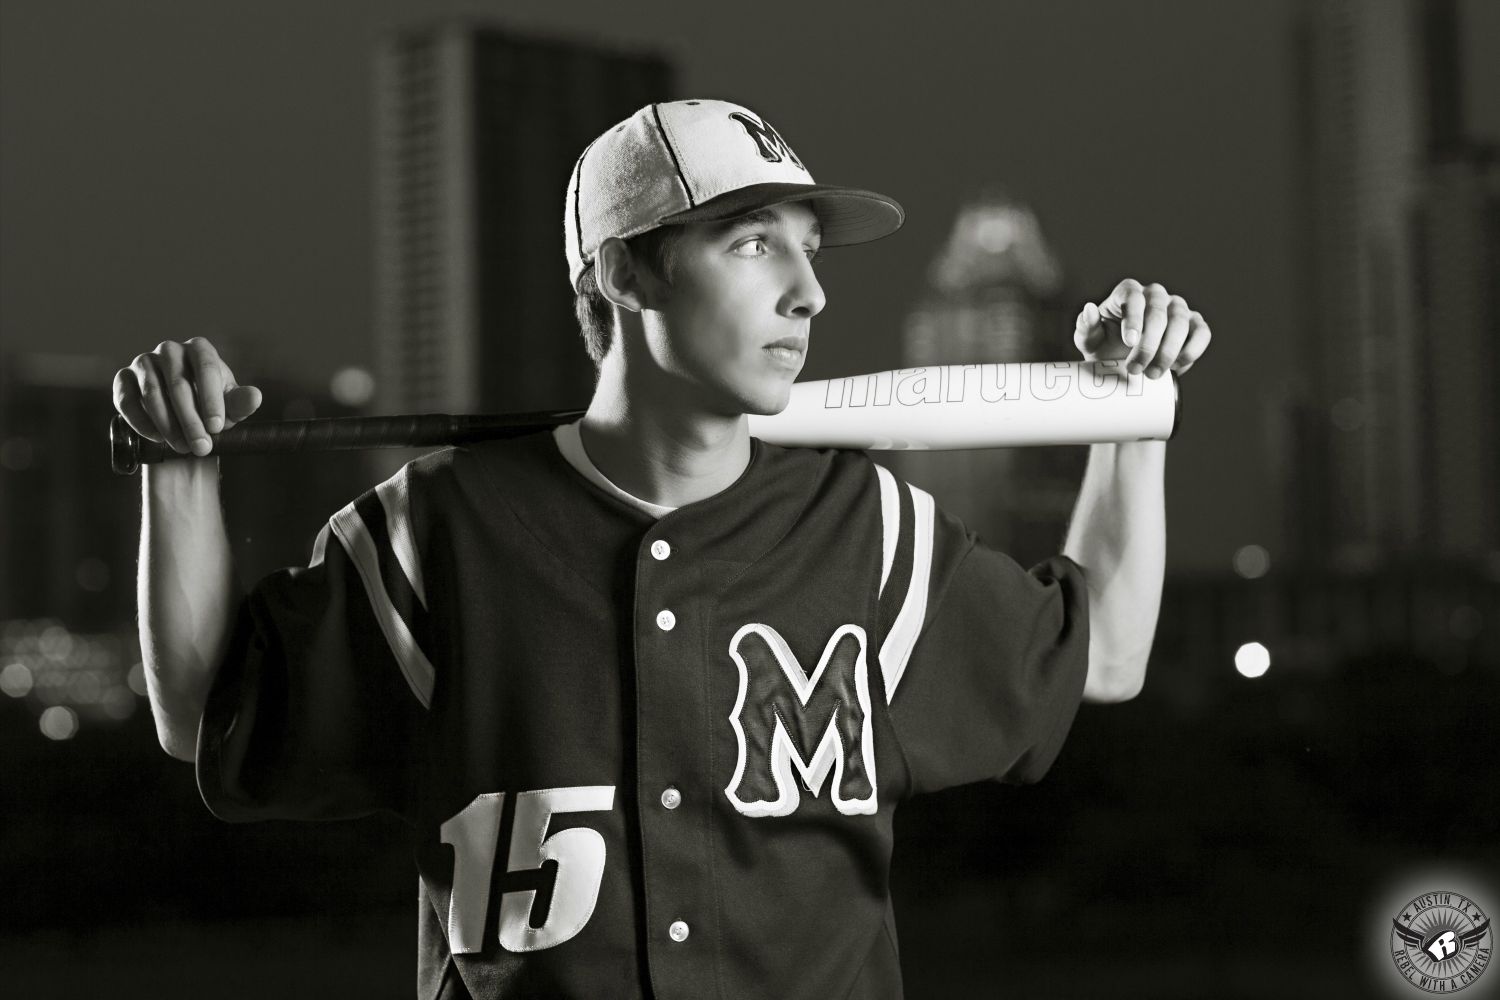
x: 768, y: 142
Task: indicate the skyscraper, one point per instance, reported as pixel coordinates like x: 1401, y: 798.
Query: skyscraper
x: 995, y: 295
x: 1458, y: 286
x: 67, y: 523
x: 478, y: 129
x: 1457, y: 246
x: 1359, y: 409
x: 1389, y: 443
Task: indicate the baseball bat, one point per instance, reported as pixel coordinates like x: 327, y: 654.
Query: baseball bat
x: 936, y: 407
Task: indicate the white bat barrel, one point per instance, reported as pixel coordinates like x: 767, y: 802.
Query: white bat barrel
x: 945, y: 407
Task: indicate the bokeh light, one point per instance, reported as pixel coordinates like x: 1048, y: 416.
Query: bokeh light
x: 353, y: 386
x: 1252, y: 659
x: 137, y: 679
x: 55, y: 642
x: 16, y: 679
x: 58, y: 723
x: 1252, y: 561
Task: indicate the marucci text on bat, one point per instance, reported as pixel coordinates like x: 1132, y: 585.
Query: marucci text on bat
x: 1044, y: 381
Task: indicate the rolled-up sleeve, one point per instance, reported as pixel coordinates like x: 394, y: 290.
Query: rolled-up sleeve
x: 996, y: 676
x: 312, y: 715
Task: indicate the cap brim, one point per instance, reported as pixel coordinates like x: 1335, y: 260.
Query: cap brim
x: 846, y: 215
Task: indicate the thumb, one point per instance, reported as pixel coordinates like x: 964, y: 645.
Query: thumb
x: 1088, y: 333
x: 239, y: 403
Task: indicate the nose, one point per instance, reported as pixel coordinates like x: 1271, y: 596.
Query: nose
x: 804, y: 295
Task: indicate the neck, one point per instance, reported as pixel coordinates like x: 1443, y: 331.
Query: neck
x: 653, y: 446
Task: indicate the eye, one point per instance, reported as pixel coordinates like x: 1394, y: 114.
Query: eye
x: 755, y: 246
x: 814, y: 254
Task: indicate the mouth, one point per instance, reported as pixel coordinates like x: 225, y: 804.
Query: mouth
x: 787, y: 351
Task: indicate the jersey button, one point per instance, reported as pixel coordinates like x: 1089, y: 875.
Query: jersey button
x: 671, y: 798
x: 660, y: 549
x: 665, y: 620
x: 678, y: 931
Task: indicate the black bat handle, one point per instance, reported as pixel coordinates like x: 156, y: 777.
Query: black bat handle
x: 129, y: 451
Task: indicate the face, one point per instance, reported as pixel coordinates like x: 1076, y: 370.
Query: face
x: 732, y: 329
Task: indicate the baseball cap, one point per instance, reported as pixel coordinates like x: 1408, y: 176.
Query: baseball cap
x: 702, y: 161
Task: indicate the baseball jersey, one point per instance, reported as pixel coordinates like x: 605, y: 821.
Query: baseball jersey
x: 639, y: 755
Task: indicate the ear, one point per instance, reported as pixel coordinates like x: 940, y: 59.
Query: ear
x: 620, y: 278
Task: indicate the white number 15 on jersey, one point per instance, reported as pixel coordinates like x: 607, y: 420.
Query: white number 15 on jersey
x: 474, y: 835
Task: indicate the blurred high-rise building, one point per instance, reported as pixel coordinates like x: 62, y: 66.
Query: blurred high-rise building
x: 1358, y: 409
x: 995, y: 294
x: 1458, y: 287
x: 1457, y: 245
x: 68, y: 525
x: 1387, y: 434
x: 478, y: 129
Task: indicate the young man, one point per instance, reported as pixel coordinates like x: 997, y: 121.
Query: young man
x: 648, y: 690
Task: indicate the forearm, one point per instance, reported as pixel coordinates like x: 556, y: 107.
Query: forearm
x: 1118, y: 535
x: 186, y: 593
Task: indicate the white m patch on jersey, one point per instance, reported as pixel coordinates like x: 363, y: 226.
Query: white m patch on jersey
x: 785, y: 718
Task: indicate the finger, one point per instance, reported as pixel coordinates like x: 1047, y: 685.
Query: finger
x: 1173, y: 338
x: 239, y: 403
x: 127, y: 396
x: 1088, y: 331
x: 1127, y: 306
x: 239, y: 400
x: 154, y: 401
x: 206, y: 371
x: 1153, y: 325
x: 171, y: 362
x: 1198, y: 339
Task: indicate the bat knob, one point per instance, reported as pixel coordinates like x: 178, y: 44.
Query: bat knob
x: 124, y: 447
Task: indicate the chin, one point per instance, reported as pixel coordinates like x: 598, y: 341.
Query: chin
x: 768, y: 400
x: 764, y: 410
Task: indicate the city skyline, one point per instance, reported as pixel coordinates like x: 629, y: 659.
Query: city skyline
x: 1312, y: 731
x: 242, y: 205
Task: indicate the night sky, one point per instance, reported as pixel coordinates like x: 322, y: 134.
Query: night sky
x: 172, y: 169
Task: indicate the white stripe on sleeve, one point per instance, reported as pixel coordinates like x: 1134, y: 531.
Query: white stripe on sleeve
x: 319, y: 544
x: 355, y: 538
x: 393, y: 498
x: 899, y: 642
x: 890, y: 520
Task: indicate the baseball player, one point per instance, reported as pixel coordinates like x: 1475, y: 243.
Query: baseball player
x: 647, y: 690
